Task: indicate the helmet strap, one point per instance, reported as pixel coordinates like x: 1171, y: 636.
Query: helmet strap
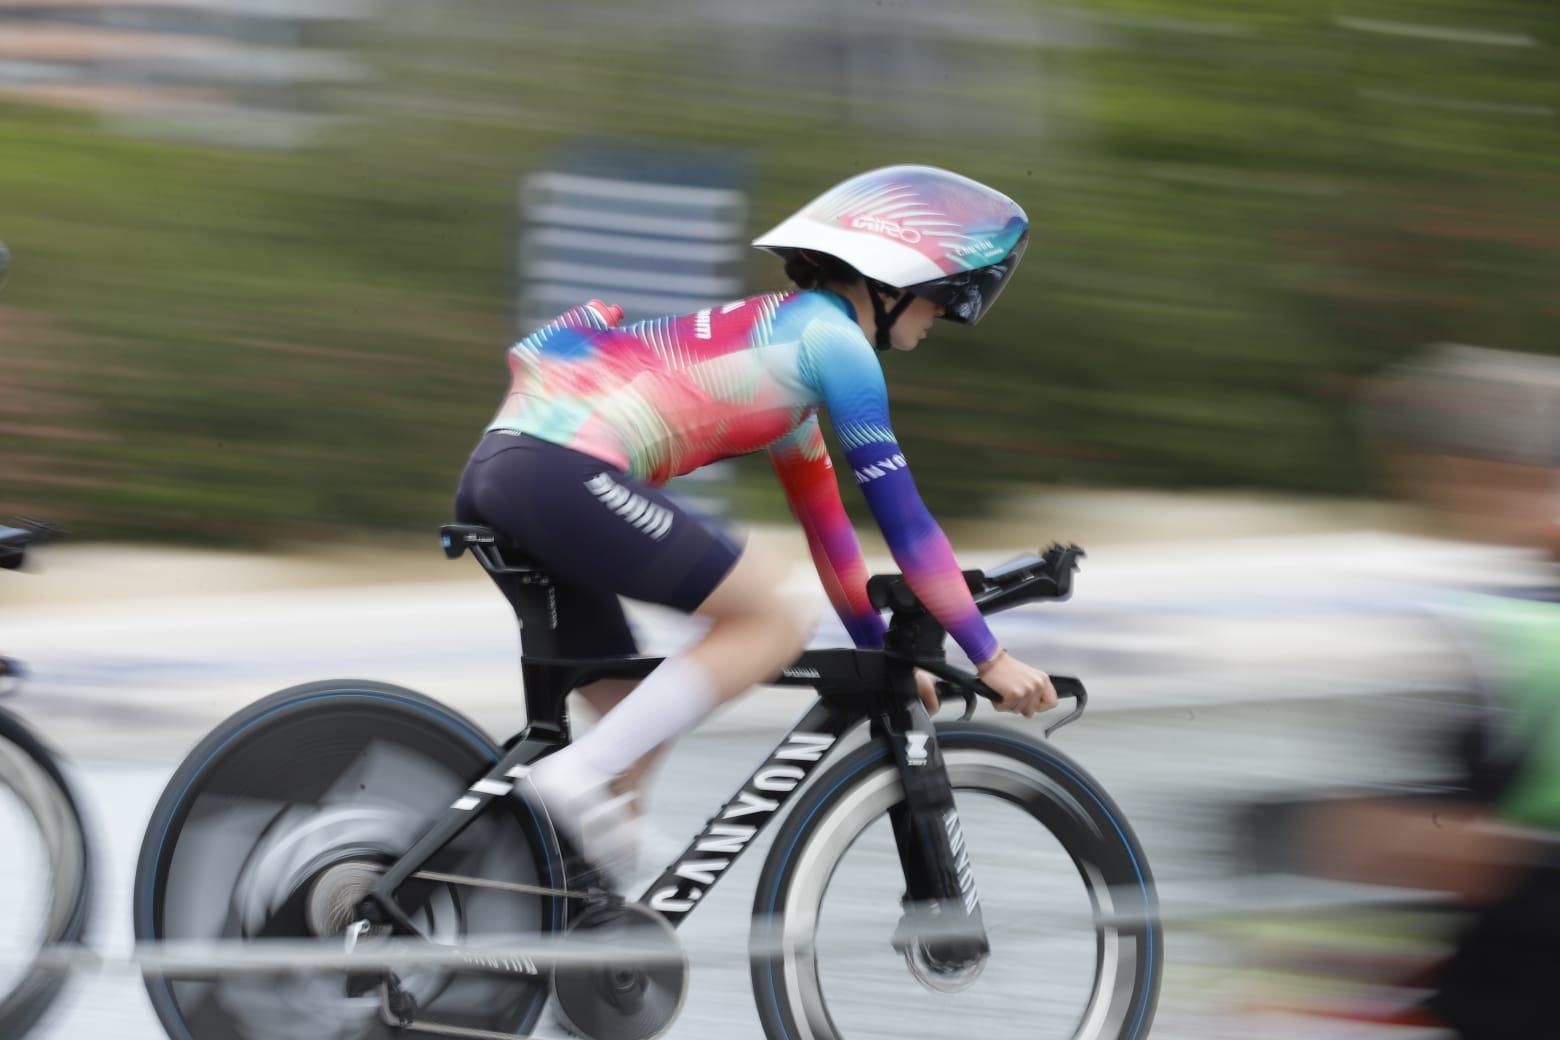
x: 884, y: 317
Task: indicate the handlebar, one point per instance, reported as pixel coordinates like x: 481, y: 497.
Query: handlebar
x: 963, y: 685
x: 15, y: 540
x: 1048, y: 576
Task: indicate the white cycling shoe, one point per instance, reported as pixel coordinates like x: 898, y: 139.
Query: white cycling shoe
x: 596, y: 823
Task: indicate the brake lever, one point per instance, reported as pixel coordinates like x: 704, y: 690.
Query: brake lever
x: 21, y: 535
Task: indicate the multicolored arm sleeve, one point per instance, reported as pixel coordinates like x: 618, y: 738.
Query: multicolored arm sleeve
x: 849, y: 379
x: 801, y: 459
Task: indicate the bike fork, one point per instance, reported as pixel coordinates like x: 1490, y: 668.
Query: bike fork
x: 942, y: 907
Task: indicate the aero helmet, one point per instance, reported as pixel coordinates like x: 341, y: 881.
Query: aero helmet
x: 916, y: 229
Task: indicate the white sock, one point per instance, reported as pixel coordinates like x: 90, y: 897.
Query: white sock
x: 668, y: 703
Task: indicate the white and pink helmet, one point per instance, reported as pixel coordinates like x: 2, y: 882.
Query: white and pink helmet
x: 919, y: 229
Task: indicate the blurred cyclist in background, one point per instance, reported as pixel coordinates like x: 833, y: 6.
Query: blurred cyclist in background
x: 13, y: 553
x: 598, y: 417
x: 11, y: 670
x: 11, y: 673
x: 1476, y: 435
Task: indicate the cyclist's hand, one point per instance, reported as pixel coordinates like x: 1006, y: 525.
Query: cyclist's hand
x: 1019, y: 687
x: 926, y: 686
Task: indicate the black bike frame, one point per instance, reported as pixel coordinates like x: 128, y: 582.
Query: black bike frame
x: 853, y: 685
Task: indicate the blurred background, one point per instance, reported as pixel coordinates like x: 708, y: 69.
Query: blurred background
x: 268, y: 254
x: 1290, y: 261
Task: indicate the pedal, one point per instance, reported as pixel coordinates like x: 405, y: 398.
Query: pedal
x: 400, y: 1007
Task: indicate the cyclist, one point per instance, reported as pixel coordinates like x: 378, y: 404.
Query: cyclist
x: 11, y: 670
x: 598, y: 416
x: 1476, y: 434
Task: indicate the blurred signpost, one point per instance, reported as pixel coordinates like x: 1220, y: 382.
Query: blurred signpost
x: 654, y: 233
x: 652, y: 239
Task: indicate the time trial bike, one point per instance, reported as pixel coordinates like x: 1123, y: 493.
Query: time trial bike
x: 359, y: 813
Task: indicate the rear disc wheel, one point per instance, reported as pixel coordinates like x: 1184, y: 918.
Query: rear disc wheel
x: 279, y: 821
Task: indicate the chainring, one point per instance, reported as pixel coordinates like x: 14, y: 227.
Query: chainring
x: 633, y: 998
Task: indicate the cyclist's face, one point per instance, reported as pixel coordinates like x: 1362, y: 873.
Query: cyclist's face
x: 914, y: 324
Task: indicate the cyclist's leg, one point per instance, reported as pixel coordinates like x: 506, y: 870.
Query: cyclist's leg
x: 755, y: 631
x: 599, y: 529
x: 590, y: 621
x: 753, y: 634
x: 757, y: 628
x: 595, y: 527
x: 591, y: 624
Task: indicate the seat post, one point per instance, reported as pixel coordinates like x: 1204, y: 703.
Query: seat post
x: 534, y: 598
x: 524, y: 583
x: 533, y: 595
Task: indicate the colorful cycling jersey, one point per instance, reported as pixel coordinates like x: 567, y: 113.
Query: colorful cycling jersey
x: 661, y: 398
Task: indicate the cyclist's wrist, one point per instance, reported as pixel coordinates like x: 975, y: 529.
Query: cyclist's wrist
x: 985, y: 666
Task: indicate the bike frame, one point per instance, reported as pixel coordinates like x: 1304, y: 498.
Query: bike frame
x: 853, y: 685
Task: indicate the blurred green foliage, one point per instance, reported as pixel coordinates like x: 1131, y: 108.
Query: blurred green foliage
x: 1239, y: 209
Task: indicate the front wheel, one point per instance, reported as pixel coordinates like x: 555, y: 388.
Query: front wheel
x: 1066, y: 894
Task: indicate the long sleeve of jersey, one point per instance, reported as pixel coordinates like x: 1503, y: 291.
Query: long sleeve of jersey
x: 840, y: 364
x: 801, y: 459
